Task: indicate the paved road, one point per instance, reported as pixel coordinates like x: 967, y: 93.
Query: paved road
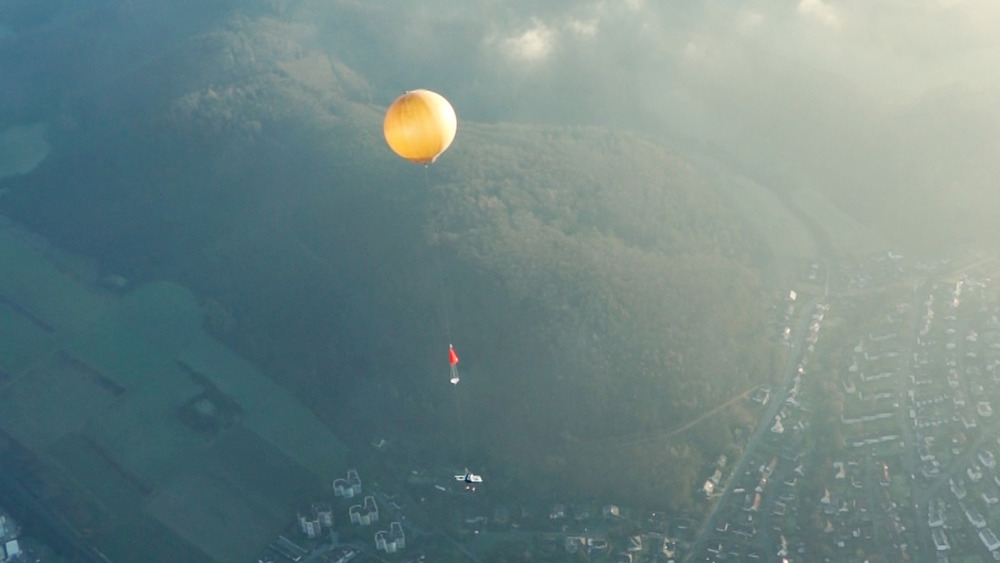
x: 763, y: 425
x: 922, y: 553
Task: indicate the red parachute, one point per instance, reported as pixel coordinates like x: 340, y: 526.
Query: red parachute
x: 453, y: 360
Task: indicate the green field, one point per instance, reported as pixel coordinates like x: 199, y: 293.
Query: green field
x: 163, y: 436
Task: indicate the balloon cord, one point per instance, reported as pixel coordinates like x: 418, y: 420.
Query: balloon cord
x: 440, y: 267
x: 461, y: 427
x: 447, y: 325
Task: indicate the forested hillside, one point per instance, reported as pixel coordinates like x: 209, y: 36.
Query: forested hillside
x: 595, y: 285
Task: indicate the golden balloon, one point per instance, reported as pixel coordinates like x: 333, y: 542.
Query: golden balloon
x: 420, y: 125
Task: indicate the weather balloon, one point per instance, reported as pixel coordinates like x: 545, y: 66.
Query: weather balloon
x: 420, y: 125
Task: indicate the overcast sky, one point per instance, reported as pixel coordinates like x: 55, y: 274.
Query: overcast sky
x: 889, y: 93
x: 702, y: 66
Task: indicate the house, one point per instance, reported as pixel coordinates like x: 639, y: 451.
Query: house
x: 958, y: 399
x: 973, y: 516
x: 364, y: 515
x: 709, y: 487
x: 390, y: 541
x: 354, y: 482
x: 761, y: 396
x: 324, y: 513
x: 634, y: 544
x: 839, y: 466
x: 382, y: 542
x: 883, y: 475
x: 968, y: 422
x: 597, y: 545
x: 574, y: 543
x: 935, y: 516
x: 396, y: 535
x: 311, y: 527
x: 349, y: 487
x: 975, y: 472
x: 958, y: 442
x: 989, y: 539
x: 777, y: 428
x: 953, y: 378
x: 984, y: 409
x: 987, y: 458
x: 957, y: 488
x: 669, y: 547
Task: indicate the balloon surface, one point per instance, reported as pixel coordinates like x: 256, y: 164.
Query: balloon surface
x: 420, y: 125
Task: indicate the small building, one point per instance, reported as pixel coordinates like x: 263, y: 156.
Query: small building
x: 382, y: 542
x: 989, y: 539
x: 761, y: 396
x: 935, y: 516
x: 973, y: 516
x: 597, y: 545
x: 397, y: 535
x: 11, y: 550
x: 324, y: 513
x: 987, y: 458
x: 940, y: 540
x: 957, y: 488
x: 349, y: 487
x: 311, y: 527
x: 364, y: 515
x: 392, y: 540
x: 968, y: 422
x: 572, y: 544
x: 975, y: 472
x: 984, y: 409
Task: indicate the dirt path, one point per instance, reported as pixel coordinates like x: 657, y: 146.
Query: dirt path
x: 639, y: 439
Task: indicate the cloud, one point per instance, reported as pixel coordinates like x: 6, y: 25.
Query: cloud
x: 533, y: 44
x: 748, y: 21
x: 586, y: 28
x: 634, y: 5
x: 820, y: 11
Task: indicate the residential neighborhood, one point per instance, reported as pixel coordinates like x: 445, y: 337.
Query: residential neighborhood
x: 900, y: 463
